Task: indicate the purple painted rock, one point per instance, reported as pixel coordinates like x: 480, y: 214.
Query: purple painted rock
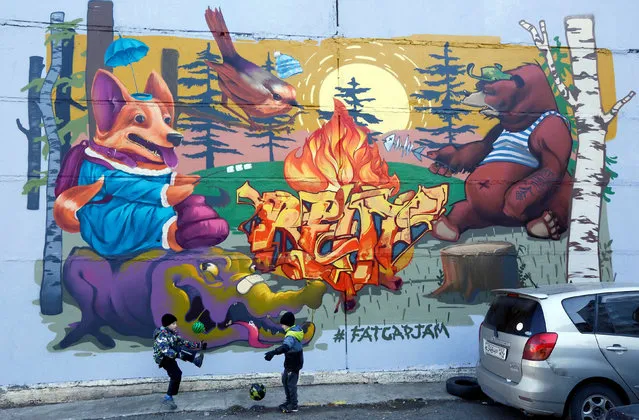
x: 218, y: 288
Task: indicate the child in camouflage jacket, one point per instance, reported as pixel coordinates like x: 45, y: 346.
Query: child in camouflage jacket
x: 169, y: 346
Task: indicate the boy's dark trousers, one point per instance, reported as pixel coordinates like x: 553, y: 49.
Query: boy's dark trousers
x: 175, y: 375
x: 289, y: 380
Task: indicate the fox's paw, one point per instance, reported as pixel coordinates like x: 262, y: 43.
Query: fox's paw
x: 198, y: 225
x: 176, y: 194
x: 181, y: 179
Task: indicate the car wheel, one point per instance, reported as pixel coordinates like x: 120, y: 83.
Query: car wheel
x: 592, y: 402
x: 465, y: 387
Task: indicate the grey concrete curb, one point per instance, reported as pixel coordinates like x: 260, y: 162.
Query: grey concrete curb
x: 28, y: 395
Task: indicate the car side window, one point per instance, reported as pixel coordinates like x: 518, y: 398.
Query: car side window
x: 581, y: 310
x: 619, y: 314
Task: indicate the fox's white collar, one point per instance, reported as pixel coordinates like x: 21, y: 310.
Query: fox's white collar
x: 124, y: 168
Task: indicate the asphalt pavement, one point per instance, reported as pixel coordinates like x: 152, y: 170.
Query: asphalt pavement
x: 391, y: 410
x: 387, y: 401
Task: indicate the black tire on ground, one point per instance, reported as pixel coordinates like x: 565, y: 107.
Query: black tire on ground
x: 591, y: 398
x: 465, y: 387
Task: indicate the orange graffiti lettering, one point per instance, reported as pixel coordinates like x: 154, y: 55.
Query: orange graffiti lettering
x: 345, y: 228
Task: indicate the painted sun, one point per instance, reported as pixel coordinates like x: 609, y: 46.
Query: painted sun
x: 389, y: 104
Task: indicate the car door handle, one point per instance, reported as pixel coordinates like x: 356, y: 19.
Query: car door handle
x: 616, y: 347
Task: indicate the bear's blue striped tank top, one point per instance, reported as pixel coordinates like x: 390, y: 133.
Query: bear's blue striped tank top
x: 512, y: 146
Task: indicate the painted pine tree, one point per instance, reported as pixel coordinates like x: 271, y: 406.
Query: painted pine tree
x: 447, y: 92
x: 352, y: 95
x: 269, y: 65
x: 273, y: 139
x: 592, y: 124
x: 205, y: 131
x: 273, y: 136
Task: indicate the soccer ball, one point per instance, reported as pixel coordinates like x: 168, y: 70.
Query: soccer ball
x: 198, y: 327
x: 257, y: 392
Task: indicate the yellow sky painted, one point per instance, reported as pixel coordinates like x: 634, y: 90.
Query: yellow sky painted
x: 393, y: 60
x: 390, y: 104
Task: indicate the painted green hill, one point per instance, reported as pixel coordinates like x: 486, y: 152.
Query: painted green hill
x: 220, y: 185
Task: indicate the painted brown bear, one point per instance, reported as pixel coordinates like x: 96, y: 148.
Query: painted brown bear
x: 519, y: 170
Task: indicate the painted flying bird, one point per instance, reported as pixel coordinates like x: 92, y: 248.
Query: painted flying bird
x: 256, y: 91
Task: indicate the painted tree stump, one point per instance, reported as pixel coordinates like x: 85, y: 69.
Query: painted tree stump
x: 483, y: 266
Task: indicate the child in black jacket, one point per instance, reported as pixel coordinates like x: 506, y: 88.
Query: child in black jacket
x: 293, y: 360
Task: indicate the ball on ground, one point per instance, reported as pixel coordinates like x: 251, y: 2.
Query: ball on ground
x: 257, y: 391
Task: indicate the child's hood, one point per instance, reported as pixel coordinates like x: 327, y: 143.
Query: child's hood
x: 295, y: 332
x: 160, y: 330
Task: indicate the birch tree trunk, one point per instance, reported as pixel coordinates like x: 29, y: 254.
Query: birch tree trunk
x: 51, y: 288
x: 36, y: 65
x: 63, y: 93
x: 590, y: 180
x: 590, y: 171
x: 592, y: 124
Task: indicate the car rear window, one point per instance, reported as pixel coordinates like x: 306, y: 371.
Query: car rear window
x: 515, y: 315
x: 581, y: 310
x: 619, y: 314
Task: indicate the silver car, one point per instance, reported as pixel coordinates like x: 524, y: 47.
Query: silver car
x: 570, y: 349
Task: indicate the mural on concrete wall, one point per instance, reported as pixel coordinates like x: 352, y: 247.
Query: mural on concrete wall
x: 380, y: 196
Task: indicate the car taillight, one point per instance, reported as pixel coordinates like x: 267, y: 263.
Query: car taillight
x: 539, y: 346
x: 479, y: 333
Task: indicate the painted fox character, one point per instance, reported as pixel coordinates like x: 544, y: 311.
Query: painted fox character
x: 119, y: 189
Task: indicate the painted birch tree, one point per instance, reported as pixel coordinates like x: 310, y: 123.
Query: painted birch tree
x: 33, y: 134
x: 51, y: 288
x: 592, y: 122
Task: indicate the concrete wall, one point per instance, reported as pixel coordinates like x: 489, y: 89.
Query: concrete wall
x: 341, y: 217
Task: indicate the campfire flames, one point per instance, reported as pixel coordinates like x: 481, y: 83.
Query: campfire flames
x: 338, y: 154
x: 344, y: 228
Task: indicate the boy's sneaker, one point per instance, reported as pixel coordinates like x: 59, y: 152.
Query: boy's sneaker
x: 169, y: 403
x: 283, y: 407
x: 197, y: 360
x: 290, y: 409
x: 192, y: 356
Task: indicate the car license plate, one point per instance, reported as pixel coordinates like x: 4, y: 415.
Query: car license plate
x: 494, y: 350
